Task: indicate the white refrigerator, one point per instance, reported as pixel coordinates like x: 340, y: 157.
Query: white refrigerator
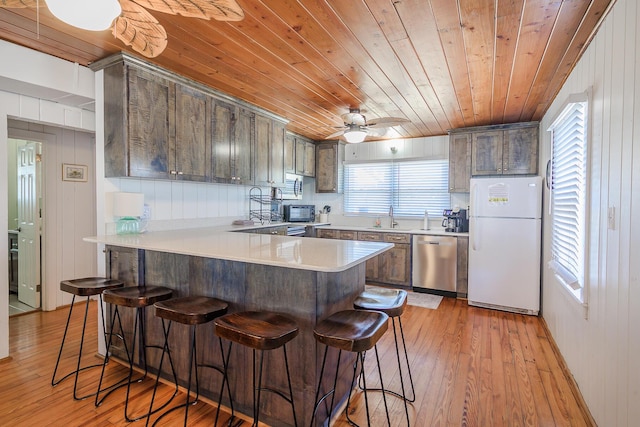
x: 504, y: 243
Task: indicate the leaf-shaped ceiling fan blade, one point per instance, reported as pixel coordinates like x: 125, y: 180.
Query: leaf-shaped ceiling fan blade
x: 335, y: 134
x: 221, y: 10
x: 385, y: 122
x: 137, y: 28
x: 18, y: 4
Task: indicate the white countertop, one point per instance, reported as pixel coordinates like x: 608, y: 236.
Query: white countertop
x: 304, y: 253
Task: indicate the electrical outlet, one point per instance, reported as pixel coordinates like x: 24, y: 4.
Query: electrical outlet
x: 611, y: 218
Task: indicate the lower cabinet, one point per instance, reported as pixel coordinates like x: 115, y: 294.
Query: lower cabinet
x: 462, y: 274
x: 392, y: 267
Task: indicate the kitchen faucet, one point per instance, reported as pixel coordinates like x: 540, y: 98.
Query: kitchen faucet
x: 392, y: 222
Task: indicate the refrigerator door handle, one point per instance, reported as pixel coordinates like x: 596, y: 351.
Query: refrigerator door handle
x: 474, y: 236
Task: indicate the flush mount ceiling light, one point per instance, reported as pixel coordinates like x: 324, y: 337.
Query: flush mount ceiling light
x: 354, y: 134
x: 88, y: 15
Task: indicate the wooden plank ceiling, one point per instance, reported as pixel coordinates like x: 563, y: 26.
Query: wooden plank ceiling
x: 441, y: 64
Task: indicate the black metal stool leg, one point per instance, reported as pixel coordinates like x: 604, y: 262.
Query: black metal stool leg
x: 225, y: 380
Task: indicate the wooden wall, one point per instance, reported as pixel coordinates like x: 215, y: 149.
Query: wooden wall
x: 602, y: 344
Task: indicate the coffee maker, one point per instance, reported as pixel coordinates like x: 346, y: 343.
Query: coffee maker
x: 455, y: 220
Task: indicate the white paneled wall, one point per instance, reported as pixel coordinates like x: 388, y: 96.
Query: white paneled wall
x: 601, y: 344
x: 176, y: 204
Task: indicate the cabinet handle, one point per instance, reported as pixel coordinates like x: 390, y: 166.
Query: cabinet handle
x: 172, y: 172
x: 180, y: 173
x: 499, y: 169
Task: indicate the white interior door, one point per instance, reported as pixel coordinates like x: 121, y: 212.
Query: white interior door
x: 29, y: 224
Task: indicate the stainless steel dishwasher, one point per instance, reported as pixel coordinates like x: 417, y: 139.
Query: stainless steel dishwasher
x: 434, y: 264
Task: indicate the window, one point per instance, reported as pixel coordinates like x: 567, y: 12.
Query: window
x: 411, y: 187
x: 568, y: 196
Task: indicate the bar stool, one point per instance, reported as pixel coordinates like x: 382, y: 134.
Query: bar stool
x: 259, y: 330
x: 85, y: 287
x: 191, y: 311
x: 138, y: 297
x: 391, y: 302
x: 354, y: 331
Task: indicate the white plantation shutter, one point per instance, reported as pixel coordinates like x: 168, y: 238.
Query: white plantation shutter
x: 568, y: 193
x: 410, y: 186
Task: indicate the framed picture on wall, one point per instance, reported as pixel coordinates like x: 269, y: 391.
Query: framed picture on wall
x: 76, y: 173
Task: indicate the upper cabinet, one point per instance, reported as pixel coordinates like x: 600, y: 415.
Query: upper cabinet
x: 232, y: 131
x: 329, y: 158
x: 505, y: 149
x: 299, y: 155
x: 160, y: 125
x: 270, y: 146
x: 459, y: 161
x: 305, y: 157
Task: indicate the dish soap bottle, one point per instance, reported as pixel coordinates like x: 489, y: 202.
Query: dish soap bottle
x: 425, y: 225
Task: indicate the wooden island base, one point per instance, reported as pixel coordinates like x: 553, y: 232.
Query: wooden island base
x: 304, y: 295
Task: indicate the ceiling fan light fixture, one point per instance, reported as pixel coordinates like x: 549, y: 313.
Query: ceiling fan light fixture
x: 87, y: 15
x: 354, y: 135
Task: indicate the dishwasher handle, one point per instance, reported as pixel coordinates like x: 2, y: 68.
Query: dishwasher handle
x: 427, y: 242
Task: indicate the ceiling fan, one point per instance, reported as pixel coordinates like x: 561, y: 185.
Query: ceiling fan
x: 357, y: 127
x: 129, y: 20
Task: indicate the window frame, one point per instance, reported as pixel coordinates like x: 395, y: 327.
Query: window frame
x: 390, y: 169
x: 561, y: 273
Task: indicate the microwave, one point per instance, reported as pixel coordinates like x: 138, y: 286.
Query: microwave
x: 292, y: 187
x: 299, y: 213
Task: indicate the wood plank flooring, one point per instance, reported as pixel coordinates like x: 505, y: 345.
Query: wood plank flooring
x: 471, y: 367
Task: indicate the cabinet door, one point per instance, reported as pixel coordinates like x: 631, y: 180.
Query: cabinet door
x: 462, y: 267
x: 222, y: 140
x: 263, y: 146
x: 309, y: 159
x: 300, y: 153
x: 193, y: 147
x: 396, y: 265
x: 520, y: 152
x: 290, y: 154
x: 327, y: 168
x: 486, y: 156
x: 459, y: 162
x: 151, y: 125
x: 243, y: 146
x: 277, y: 154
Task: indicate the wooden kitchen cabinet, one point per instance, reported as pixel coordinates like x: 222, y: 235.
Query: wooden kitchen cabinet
x: 459, y: 162
x: 462, y: 273
x: 232, y: 142
x: 270, y: 145
x: 290, y: 153
x: 154, y: 127
x: 305, y: 157
x: 329, y: 158
x: 393, y: 266
x: 505, y: 149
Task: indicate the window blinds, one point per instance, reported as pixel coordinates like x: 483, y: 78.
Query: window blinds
x: 568, y: 190
x: 411, y: 187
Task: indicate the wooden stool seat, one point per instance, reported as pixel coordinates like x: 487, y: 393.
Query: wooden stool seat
x: 88, y: 286
x: 83, y: 287
x: 191, y: 310
x: 352, y: 330
x: 259, y: 330
x: 137, y: 296
x: 389, y: 301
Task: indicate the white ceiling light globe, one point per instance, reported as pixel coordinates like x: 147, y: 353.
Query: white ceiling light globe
x: 84, y: 14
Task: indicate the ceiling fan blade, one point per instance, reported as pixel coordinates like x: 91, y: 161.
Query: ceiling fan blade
x: 137, y: 28
x: 383, y: 122
x: 335, y: 134
x: 221, y: 10
x: 18, y: 4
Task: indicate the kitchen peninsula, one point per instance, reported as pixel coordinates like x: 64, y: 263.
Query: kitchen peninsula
x: 305, y: 278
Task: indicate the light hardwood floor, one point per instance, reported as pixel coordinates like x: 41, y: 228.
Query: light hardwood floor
x: 471, y: 367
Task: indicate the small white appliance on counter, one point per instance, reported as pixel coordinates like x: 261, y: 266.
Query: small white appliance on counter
x: 504, y: 243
